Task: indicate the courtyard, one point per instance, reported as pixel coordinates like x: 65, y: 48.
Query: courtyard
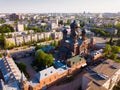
x: 28, y: 60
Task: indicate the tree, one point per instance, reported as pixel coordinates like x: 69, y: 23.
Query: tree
x: 25, y: 27
x: 22, y: 67
x: 61, y: 22
x: 118, y: 42
x: 1, y: 55
x: 113, y: 56
x: 38, y: 47
x: 108, y: 25
x: 118, y: 27
x: 115, y: 49
x: 55, y: 44
x: 107, y: 49
x: 8, y: 44
x: 2, y: 20
x: 6, y: 28
x: 2, y: 39
x: 111, y: 41
x: 67, y: 23
x: 44, y: 59
x: 82, y: 24
x: 49, y: 59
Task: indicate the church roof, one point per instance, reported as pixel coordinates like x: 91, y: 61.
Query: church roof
x: 74, y: 24
x: 75, y: 60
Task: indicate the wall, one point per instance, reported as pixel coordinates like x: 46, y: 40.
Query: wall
x: 58, y: 76
x: 109, y: 84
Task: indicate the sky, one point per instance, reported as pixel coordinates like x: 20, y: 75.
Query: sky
x: 59, y: 6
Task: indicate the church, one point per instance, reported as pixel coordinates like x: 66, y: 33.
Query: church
x: 73, y: 43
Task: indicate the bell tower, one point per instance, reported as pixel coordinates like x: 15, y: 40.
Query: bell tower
x: 92, y: 43
x: 83, y: 34
x: 75, y: 49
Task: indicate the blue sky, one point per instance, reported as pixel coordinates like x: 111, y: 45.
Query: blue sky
x: 40, y: 6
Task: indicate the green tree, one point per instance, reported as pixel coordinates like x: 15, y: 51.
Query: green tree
x: 39, y: 47
x: 60, y: 22
x: 113, y: 56
x: 25, y: 28
x: 107, y: 49
x: 1, y: 55
x: 67, y: 23
x: 22, y: 67
x: 44, y: 59
x: 82, y: 24
x: 2, y: 20
x: 111, y: 40
x: 115, y: 49
x: 49, y: 59
x: 118, y: 27
x: 8, y: 44
x: 108, y: 25
x: 2, y: 39
x: 118, y: 42
x: 6, y: 28
x: 55, y: 44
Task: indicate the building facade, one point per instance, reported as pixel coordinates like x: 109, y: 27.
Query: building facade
x: 23, y: 39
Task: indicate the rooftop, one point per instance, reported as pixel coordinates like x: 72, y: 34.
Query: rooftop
x: 75, y: 60
x: 9, y: 69
x: 94, y: 86
x: 46, y: 73
x: 103, y: 72
x: 34, y: 82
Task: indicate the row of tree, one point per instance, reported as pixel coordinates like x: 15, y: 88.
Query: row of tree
x: 111, y: 51
x: 6, y: 29
x: 36, y: 28
x: 100, y: 31
x: 22, y: 68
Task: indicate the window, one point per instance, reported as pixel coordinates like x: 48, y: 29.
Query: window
x: 46, y: 74
x: 51, y: 72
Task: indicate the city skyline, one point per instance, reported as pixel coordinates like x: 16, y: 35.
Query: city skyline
x: 59, y: 6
